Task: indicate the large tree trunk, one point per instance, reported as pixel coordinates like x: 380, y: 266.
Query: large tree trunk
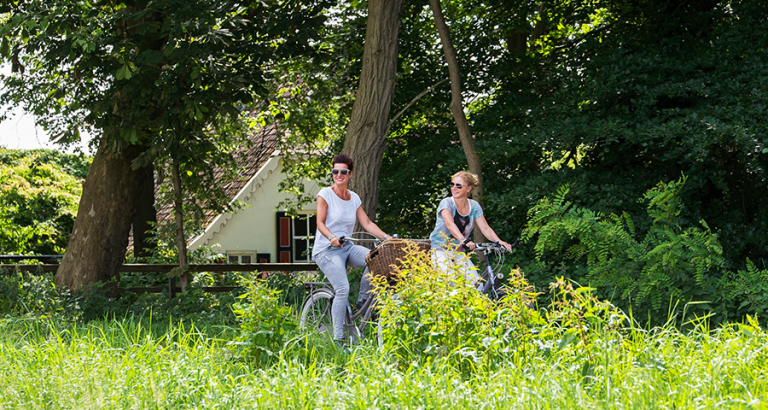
x: 99, y: 237
x: 365, y: 140
x: 457, y: 103
x: 145, y: 216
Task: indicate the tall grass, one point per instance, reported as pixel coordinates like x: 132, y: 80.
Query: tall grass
x: 132, y: 364
x: 445, y: 346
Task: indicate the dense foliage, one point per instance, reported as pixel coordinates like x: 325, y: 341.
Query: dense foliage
x: 39, y: 193
x: 609, y: 98
x: 667, y: 268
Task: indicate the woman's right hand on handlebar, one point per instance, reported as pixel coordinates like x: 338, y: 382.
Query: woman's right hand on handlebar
x: 336, y: 242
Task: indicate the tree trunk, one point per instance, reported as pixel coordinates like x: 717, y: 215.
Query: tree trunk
x: 146, y: 215
x: 365, y: 140
x: 181, y: 239
x: 96, y: 248
x: 457, y: 104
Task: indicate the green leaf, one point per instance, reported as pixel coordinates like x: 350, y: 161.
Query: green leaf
x: 5, y: 48
x: 124, y: 73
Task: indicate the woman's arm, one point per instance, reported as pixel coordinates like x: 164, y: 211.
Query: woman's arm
x: 489, y: 233
x: 366, y: 223
x: 322, y: 214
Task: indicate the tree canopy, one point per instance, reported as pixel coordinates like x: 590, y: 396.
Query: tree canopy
x: 608, y: 97
x: 162, y: 83
x: 39, y: 193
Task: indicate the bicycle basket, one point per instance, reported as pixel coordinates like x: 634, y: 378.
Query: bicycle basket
x: 386, y: 258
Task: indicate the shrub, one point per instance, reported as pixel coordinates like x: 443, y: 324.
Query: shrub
x: 429, y: 315
x: 25, y: 293
x: 672, y: 265
x: 266, y: 323
x: 39, y: 194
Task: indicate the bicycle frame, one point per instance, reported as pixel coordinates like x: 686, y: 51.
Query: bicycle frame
x: 313, y: 287
x: 489, y: 275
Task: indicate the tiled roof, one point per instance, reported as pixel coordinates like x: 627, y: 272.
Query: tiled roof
x: 249, y: 160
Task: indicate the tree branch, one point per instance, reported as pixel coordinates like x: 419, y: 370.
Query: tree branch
x: 413, y: 101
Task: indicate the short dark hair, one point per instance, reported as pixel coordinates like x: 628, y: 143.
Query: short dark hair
x: 343, y: 159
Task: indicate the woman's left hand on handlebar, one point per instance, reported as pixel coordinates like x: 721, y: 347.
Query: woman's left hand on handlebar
x: 505, y: 245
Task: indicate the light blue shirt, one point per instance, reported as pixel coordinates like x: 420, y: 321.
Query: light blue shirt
x: 438, y: 235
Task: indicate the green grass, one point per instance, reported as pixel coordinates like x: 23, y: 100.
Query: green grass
x: 134, y: 364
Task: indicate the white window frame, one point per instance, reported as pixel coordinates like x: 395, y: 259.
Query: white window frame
x: 239, y: 255
x: 309, y: 237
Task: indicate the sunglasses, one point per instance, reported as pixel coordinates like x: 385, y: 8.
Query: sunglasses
x: 340, y: 171
x: 456, y: 185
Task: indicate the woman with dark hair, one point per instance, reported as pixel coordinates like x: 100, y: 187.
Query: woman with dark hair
x: 338, y: 209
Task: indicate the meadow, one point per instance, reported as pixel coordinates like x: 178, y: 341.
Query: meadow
x: 129, y: 363
x: 578, y: 352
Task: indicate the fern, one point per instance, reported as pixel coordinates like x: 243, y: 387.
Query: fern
x: 671, y: 263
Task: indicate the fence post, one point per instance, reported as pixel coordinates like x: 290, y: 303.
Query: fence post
x: 171, y: 287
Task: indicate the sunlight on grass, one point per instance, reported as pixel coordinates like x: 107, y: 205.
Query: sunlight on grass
x: 131, y: 364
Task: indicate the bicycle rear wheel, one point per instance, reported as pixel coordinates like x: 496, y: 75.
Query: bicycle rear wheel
x: 316, y: 313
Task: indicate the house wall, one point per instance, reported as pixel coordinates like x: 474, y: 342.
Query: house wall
x: 253, y: 228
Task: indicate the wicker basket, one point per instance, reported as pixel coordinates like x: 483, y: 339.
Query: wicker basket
x: 386, y: 258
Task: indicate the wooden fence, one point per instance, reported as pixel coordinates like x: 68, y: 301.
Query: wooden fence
x: 171, y: 287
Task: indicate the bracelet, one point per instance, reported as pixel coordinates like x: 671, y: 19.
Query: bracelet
x: 330, y: 238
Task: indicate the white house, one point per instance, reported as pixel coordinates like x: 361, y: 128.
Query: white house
x: 259, y: 231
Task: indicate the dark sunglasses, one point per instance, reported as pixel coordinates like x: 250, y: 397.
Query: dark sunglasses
x: 342, y: 171
x: 456, y: 185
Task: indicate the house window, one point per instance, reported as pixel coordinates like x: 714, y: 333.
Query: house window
x: 295, y: 236
x: 303, y: 237
x: 240, y: 257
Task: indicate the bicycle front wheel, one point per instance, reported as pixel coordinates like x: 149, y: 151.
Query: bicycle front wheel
x: 316, y: 313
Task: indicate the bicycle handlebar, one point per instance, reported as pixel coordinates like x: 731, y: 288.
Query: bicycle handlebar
x: 344, y: 238
x: 374, y: 239
x: 490, y: 246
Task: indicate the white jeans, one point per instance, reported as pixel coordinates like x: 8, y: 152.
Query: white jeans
x: 449, y: 261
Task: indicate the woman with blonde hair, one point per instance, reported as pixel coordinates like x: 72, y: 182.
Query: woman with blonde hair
x: 456, y: 217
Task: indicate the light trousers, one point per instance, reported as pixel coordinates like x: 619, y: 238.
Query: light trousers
x: 333, y: 262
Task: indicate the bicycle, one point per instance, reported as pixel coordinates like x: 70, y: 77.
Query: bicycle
x: 316, y: 310
x: 490, y: 276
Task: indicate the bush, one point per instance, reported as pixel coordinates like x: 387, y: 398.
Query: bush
x: 670, y: 267
x: 24, y: 293
x: 266, y: 323
x: 39, y: 194
x: 430, y: 316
